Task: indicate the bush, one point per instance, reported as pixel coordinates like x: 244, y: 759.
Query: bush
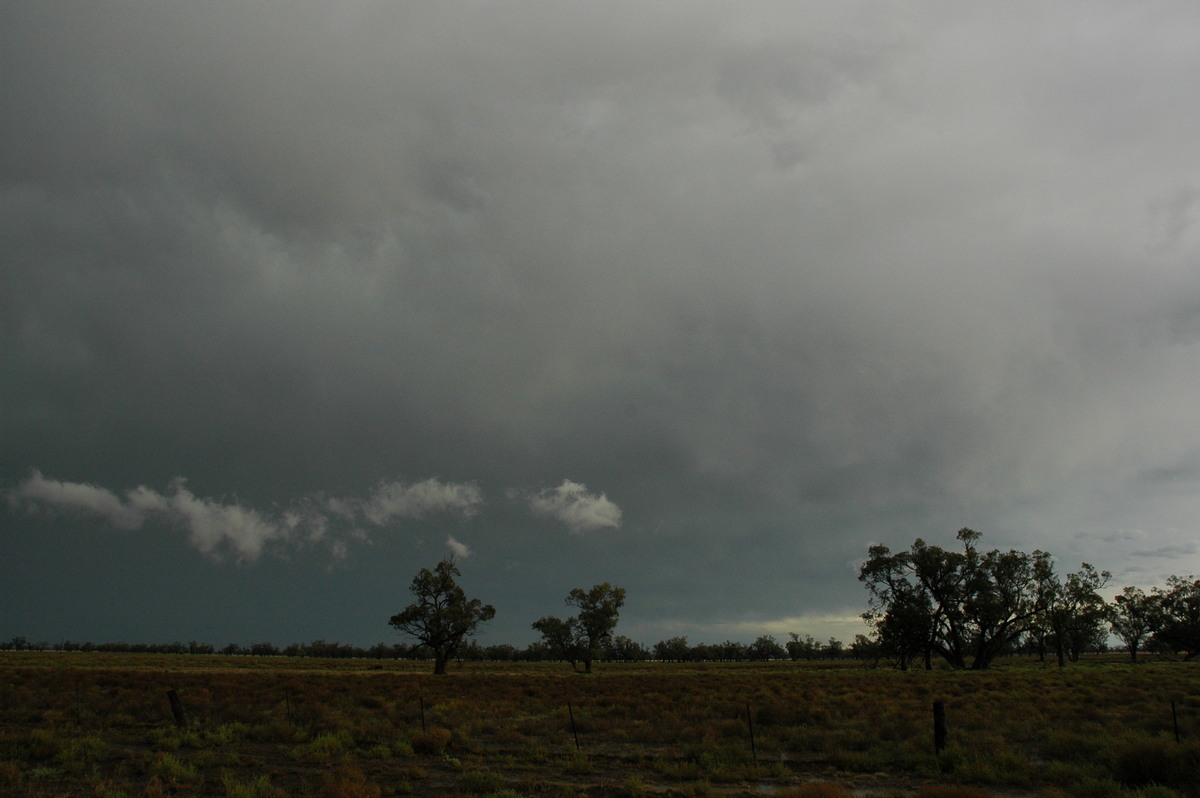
x: 481, y: 781
x: 1158, y: 761
x: 10, y: 774
x: 324, y: 747
x: 1156, y: 791
x: 348, y: 782
x: 633, y: 787
x: 1095, y: 788
x: 171, y: 769
x: 816, y: 789
x: 950, y: 791
x: 432, y: 742
x: 81, y: 751
x: 256, y: 788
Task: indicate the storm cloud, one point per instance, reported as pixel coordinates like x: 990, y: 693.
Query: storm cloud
x: 772, y: 280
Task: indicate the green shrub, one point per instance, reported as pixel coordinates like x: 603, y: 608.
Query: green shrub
x: 43, y: 744
x: 171, y: 769
x: 76, y: 753
x: 10, y: 774
x: 348, y: 782
x: 324, y: 747
x: 950, y: 791
x: 1159, y: 761
x: 816, y: 789
x: 1065, y: 774
x: 256, y: 788
x: 578, y: 764
x: 432, y: 742
x: 1092, y: 787
x: 227, y: 734
x: 1156, y: 791
x: 633, y: 787
x: 481, y: 781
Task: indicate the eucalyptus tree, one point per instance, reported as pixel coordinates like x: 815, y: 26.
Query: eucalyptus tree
x: 1133, y: 616
x: 599, y: 609
x: 561, y: 637
x: 765, y: 647
x: 583, y: 637
x: 442, y: 616
x: 1073, y: 614
x: 1177, y: 626
x: 967, y: 606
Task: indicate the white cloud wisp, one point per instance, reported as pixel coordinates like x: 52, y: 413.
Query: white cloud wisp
x: 213, y: 525
x: 580, y: 511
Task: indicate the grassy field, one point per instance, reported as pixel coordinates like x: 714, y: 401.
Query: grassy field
x: 97, y: 724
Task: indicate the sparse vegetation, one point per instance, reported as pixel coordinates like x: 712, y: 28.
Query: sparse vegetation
x: 310, y: 727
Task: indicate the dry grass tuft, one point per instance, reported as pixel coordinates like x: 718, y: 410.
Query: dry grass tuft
x: 816, y: 789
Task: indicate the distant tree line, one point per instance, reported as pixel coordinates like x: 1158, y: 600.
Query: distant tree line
x: 963, y: 608
x: 615, y: 648
x: 967, y: 607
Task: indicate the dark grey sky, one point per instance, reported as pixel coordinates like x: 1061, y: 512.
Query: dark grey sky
x: 700, y: 299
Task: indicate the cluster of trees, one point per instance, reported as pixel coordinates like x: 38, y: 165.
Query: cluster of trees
x: 442, y: 618
x: 583, y: 637
x: 968, y: 607
x: 764, y: 647
x: 965, y: 607
x: 317, y: 648
x: 23, y: 644
x: 614, y: 648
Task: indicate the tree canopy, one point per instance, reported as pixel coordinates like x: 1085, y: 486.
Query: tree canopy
x: 965, y: 606
x: 442, y: 616
x: 583, y: 637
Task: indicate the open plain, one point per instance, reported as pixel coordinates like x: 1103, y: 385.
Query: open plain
x: 103, y: 725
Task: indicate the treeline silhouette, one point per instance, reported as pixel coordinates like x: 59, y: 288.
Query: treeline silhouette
x: 617, y: 649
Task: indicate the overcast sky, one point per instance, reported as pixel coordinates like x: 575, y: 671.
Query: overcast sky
x: 699, y: 299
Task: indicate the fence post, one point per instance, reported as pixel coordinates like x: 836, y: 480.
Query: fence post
x: 421, y: 700
x: 753, y: 747
x: 574, y: 733
x: 939, y: 726
x: 177, y: 709
x: 1175, y: 720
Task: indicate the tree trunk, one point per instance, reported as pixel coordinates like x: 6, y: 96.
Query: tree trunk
x: 439, y: 664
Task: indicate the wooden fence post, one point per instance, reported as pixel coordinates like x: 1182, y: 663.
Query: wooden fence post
x: 177, y: 709
x: 753, y: 747
x: 574, y: 733
x: 939, y: 726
